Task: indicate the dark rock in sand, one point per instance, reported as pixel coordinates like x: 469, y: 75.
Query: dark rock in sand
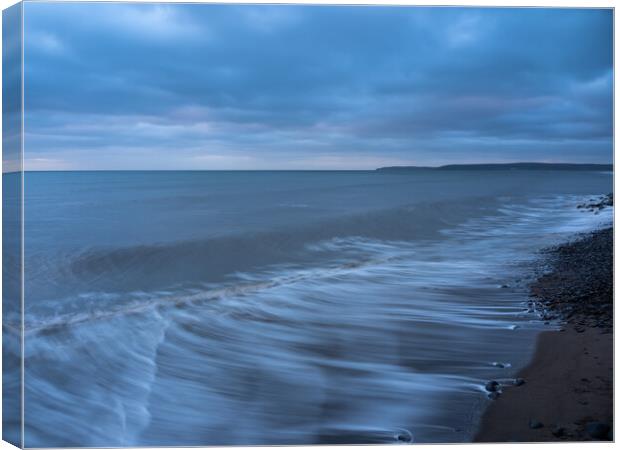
x: 535, y: 424
x: 597, y: 430
x: 518, y: 382
x: 558, y: 431
x: 492, y: 386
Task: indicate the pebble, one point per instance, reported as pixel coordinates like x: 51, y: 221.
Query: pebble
x: 579, y: 289
x: 518, y: 382
x: 597, y: 430
x: 404, y: 437
x: 493, y: 395
x: 492, y: 386
x: 534, y: 424
x: 558, y: 431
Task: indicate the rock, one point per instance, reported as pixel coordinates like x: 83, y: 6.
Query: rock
x: 558, y: 431
x: 404, y: 437
x: 498, y: 364
x: 493, y: 395
x: 597, y: 430
x: 492, y: 386
x: 518, y: 382
x: 504, y: 286
x: 535, y: 424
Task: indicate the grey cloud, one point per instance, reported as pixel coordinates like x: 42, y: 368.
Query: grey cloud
x: 323, y: 82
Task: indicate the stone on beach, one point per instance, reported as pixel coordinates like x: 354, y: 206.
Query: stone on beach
x: 493, y: 395
x: 597, y: 430
x: 535, y: 424
x: 580, y: 289
x: 595, y: 205
x: 492, y: 386
x: 558, y: 431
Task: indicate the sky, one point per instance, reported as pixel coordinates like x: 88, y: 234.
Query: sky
x: 197, y: 86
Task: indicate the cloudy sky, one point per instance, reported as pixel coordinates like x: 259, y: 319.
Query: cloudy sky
x: 147, y: 86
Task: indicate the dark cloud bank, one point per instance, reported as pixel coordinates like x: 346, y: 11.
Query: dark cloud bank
x: 129, y: 86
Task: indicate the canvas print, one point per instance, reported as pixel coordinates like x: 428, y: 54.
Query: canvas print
x: 233, y: 224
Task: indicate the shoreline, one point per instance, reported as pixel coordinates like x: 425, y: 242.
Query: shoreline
x: 565, y: 393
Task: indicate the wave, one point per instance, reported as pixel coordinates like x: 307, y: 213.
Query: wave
x: 362, y: 338
x: 109, y: 305
x: 214, y: 259
x: 128, y: 280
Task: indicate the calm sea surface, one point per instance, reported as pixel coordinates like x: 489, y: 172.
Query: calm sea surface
x: 207, y: 308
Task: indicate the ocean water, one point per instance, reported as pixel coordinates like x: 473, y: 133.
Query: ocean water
x: 213, y: 308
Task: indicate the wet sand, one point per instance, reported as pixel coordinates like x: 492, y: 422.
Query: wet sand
x: 568, y: 389
x: 568, y: 385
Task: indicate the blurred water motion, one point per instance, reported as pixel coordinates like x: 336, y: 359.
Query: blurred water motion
x: 212, y: 308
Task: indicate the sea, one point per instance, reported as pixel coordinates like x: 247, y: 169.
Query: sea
x: 197, y: 308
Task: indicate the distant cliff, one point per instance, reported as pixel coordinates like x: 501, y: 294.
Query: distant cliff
x: 508, y: 166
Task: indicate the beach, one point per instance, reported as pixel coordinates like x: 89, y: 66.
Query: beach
x: 295, y: 224
x: 566, y: 391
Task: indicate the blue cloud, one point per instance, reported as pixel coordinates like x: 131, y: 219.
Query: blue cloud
x: 111, y: 85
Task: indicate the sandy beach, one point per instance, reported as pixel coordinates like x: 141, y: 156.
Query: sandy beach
x: 566, y: 392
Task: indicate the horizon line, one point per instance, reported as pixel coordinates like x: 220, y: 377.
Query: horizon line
x: 315, y: 170
x: 320, y: 170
